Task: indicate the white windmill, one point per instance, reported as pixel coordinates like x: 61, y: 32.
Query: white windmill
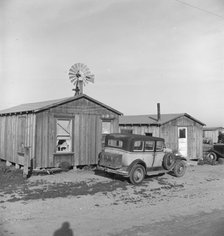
x: 79, y: 75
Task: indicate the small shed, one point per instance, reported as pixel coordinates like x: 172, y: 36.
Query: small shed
x: 212, y: 133
x: 69, y: 129
x: 181, y: 132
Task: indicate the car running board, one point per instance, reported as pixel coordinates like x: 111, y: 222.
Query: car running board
x: 157, y: 172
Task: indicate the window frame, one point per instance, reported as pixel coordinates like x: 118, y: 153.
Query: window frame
x: 108, y: 121
x: 154, y: 143
x: 70, y: 135
x: 162, y: 147
x: 138, y: 150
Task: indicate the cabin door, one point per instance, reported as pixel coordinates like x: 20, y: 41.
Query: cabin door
x: 182, y: 140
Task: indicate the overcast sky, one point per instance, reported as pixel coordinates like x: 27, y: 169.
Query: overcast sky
x: 141, y: 52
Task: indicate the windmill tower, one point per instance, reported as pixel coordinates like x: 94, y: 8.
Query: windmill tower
x: 79, y: 75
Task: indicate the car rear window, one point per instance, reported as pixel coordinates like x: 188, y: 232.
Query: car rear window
x: 115, y: 143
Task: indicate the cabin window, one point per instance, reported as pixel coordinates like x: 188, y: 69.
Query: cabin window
x: 149, y: 146
x: 21, y: 134
x: 64, y: 135
x: 106, y: 127
x: 182, y: 133
x: 138, y: 146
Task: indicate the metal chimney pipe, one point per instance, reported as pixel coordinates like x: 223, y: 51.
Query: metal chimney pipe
x: 158, y: 112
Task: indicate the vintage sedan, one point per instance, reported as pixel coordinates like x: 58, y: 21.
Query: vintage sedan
x: 216, y: 154
x: 134, y: 156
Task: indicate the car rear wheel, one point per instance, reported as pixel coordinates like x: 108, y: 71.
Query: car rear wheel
x: 137, y: 174
x: 179, y: 168
x: 168, y: 161
x: 211, y: 158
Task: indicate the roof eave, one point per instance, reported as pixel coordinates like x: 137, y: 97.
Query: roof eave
x: 76, y: 98
x: 184, y: 114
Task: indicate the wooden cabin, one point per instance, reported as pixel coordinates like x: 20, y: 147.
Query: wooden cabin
x: 70, y: 129
x: 181, y: 132
x: 212, y: 133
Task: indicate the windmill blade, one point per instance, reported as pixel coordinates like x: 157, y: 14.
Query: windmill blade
x: 90, y: 78
x: 74, y: 80
x: 80, y: 72
x: 72, y: 73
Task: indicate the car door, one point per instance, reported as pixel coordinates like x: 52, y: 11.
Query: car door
x: 159, y: 154
x: 149, y: 153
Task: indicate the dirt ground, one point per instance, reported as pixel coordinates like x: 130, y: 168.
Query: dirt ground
x: 87, y: 202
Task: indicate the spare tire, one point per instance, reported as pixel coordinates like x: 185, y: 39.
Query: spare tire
x: 168, y: 161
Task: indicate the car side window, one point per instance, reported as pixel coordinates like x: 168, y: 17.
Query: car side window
x: 159, y: 146
x: 138, y: 146
x: 149, y: 146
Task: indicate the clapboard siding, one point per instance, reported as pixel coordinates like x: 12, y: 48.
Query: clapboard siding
x: 10, y: 135
x: 141, y: 129
x: 87, y: 131
x: 212, y: 133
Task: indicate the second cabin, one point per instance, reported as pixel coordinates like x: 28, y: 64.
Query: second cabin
x: 182, y: 132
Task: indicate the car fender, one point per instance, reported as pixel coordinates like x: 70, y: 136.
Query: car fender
x: 217, y: 153
x: 135, y: 162
x: 180, y: 158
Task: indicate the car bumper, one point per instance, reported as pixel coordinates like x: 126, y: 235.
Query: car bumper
x: 122, y: 171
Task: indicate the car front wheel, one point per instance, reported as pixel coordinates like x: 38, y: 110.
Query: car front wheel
x: 137, y: 174
x: 179, y: 168
x: 211, y: 158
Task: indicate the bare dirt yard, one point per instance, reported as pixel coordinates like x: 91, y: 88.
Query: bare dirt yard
x: 87, y: 202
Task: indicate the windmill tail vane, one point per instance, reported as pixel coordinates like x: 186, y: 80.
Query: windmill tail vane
x: 79, y: 75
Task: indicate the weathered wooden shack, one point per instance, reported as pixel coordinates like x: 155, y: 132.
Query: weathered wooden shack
x: 69, y: 129
x: 212, y: 133
x: 181, y: 132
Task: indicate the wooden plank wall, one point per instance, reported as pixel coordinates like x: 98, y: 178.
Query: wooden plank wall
x: 9, y: 135
x: 212, y: 134
x: 169, y: 132
x: 141, y: 129
x: 87, y: 131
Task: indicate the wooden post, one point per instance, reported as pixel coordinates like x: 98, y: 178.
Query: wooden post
x: 26, y: 161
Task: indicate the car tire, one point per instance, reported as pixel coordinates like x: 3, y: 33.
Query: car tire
x: 137, y: 174
x: 168, y: 161
x: 211, y: 158
x: 179, y: 168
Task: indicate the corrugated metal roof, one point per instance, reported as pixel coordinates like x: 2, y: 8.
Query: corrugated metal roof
x: 39, y: 106
x: 29, y: 107
x: 152, y: 119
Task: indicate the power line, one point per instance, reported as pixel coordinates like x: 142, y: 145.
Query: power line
x: 200, y: 9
